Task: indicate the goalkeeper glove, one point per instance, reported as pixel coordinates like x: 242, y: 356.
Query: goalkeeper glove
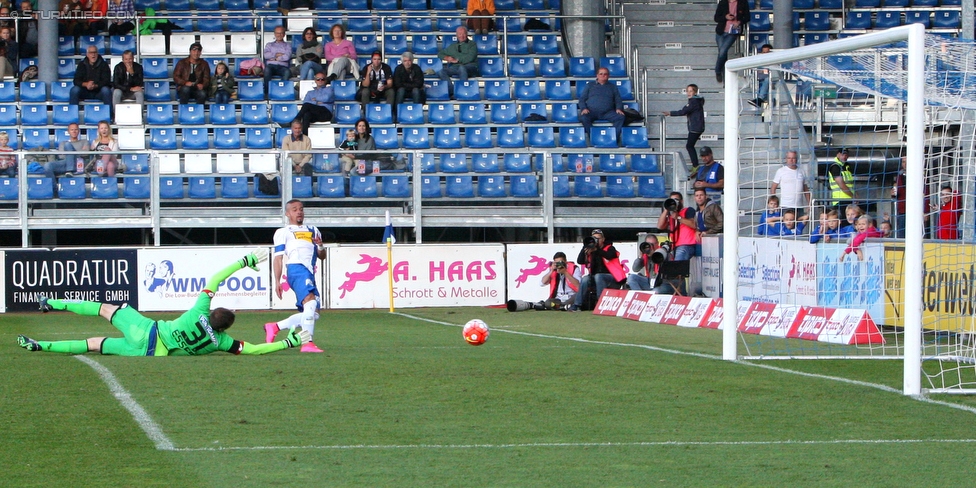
x: 298, y: 337
x: 257, y: 256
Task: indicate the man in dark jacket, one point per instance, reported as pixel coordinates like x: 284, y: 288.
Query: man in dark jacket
x: 127, y: 80
x: 377, y: 82
x: 92, y: 79
x: 408, y: 80
x: 730, y: 17
x: 695, y: 111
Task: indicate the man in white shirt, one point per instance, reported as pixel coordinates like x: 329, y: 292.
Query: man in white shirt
x: 795, y: 193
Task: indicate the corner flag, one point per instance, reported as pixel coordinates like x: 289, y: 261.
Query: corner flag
x: 388, y: 232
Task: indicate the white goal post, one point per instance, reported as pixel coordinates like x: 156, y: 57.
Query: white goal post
x: 915, y: 195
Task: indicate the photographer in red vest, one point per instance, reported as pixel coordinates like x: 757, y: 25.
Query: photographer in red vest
x: 563, y: 280
x: 603, y: 261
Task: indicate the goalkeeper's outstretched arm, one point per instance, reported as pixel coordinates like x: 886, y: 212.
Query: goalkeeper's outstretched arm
x: 295, y: 338
x: 251, y: 260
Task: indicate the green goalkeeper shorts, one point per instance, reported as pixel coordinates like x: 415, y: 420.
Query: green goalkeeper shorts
x: 140, y: 334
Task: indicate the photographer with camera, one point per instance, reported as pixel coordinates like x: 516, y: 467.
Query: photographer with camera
x: 643, y: 267
x: 563, y: 280
x: 603, y: 261
x: 679, y: 222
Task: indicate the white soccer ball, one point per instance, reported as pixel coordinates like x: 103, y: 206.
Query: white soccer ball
x: 475, y: 332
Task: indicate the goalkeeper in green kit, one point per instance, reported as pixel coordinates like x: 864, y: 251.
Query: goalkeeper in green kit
x: 198, y: 331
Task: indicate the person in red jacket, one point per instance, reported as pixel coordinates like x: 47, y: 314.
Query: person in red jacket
x: 865, y: 227
x: 948, y: 208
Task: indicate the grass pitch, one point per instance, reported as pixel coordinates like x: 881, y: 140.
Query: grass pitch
x: 401, y: 400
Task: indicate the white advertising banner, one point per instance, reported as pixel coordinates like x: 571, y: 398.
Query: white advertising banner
x: 171, y: 279
x: 750, y: 280
x: 711, y: 266
x: 800, y: 265
x: 526, y: 263
x: 423, y: 276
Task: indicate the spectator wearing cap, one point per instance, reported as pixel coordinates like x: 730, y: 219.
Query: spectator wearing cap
x: 601, y: 100
x: 841, y: 179
x: 92, y: 79
x: 711, y: 174
x: 408, y: 80
x: 603, y: 261
x: 192, y: 76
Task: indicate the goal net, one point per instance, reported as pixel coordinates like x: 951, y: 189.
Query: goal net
x: 873, y: 261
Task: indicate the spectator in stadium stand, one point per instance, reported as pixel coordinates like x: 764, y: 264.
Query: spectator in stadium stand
x: 829, y: 228
x: 730, y: 16
x: 459, y: 59
x: 769, y: 220
x: 8, y: 160
x: 851, y: 213
x: 310, y: 53
x: 762, y: 77
x: 127, y: 80
x: 694, y: 110
x: 709, y: 219
x: 192, y: 76
x: 792, y: 226
x: 5, y: 19
x: 96, y: 16
x: 71, y: 18
x: 68, y: 163
x: 603, y: 261
x: 865, y: 229
x: 841, y: 179
x: 107, y: 164
x: 277, y: 59
x: 6, y: 67
x: 898, y: 193
x: 317, y: 105
x: 284, y: 6
x: 408, y: 80
x: 222, y: 83
x: 121, y: 15
x: 92, y: 79
x: 198, y: 331
x: 711, y: 174
x: 601, y: 100
x: 481, y: 8
x: 341, y: 55
x: 948, y: 208
x: 563, y: 280
x: 791, y: 182
x: 377, y: 83
x: 27, y: 31
x: 364, y: 142
x: 12, y: 49
x: 301, y: 162
x: 680, y: 227
x: 643, y: 270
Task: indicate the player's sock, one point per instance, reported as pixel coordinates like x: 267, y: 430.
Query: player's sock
x: 68, y: 347
x: 308, y: 317
x: 80, y: 308
x: 291, y: 322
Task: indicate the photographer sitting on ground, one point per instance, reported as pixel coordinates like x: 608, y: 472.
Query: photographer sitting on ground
x: 603, y: 261
x: 644, y: 270
x: 563, y: 280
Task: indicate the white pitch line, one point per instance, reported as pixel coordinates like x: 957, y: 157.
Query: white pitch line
x: 139, y: 414
x: 876, y: 386
x: 584, y: 444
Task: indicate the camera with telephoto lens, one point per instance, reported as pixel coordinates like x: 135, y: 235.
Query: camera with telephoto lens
x: 661, y: 254
x: 671, y: 205
x: 589, y: 242
x: 645, y: 248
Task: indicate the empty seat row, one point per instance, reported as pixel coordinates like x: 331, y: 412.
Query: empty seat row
x: 941, y: 19
x: 417, y: 5
x: 525, y: 162
x: 484, y: 136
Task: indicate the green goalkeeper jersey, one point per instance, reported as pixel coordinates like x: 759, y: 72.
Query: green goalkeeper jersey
x: 191, y: 334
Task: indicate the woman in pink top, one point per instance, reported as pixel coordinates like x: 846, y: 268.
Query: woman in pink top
x: 341, y: 55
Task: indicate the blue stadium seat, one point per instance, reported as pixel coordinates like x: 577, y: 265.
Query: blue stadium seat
x: 803, y: 4
x: 392, y: 22
x: 616, y: 64
x: 427, y: 164
x: 26, y: 63
x: 923, y: 17
x: 203, y: 187
x: 386, y: 137
x: 635, y: 137
x: 301, y: 187
x: 233, y: 187
x: 420, y: 24
x: 620, y: 186
x: 487, y: 44
x: 433, y: 64
x: 511, y: 137
x: 72, y: 188
x: 85, y: 41
x: 105, y: 187
x: 473, y: 113
x: 491, y: 67
x: 425, y: 44
x: 120, y: 44
x: 283, y: 113
x: 453, y: 163
x: 887, y: 19
x: 560, y: 186
x: 345, y: 90
x: 582, y: 67
x: 257, y: 138
x: 347, y: 113
x: 394, y: 44
x: 379, y: 113
x: 572, y: 136
x: 33, y: 114
x: 36, y: 138
x: 524, y: 186
x: 626, y: 88
x: 136, y: 163
x: 558, y: 90
x: 430, y: 187
x: 437, y: 90
x: 410, y: 113
x: 477, y: 137
x: 396, y: 186
x: 809, y: 39
x: 757, y: 40
x: 190, y: 114
x: 66, y: 46
x: 504, y: 113
x: 542, y: 137
x: 66, y: 68
x: 414, y: 4
x: 254, y: 113
x: 484, y: 162
x: 441, y: 113
x: 227, y: 138
x: 459, y: 186
x: 565, y: 113
x: 416, y: 138
x: 447, y: 137
x: 155, y: 68
x: 528, y: 90
x: 158, y: 91
x: 587, y: 186
x: 603, y: 137
x: 533, y: 112
x: 448, y: 24
x: 253, y: 90
x: 498, y: 90
x: 33, y: 91
x: 545, y: 44
x: 220, y: 114
x: 159, y: 114
x: 8, y: 94
x: 363, y: 187
x: 195, y: 138
x: 359, y: 21
x: 9, y: 189
x: 136, y: 187
x: 331, y: 187
x: 517, y: 162
x: 517, y: 44
x: 651, y: 187
x: 504, y: 5
x: 832, y: 4
x: 281, y: 90
x: 467, y: 90
x: 8, y: 114
x: 365, y: 44
x: 97, y: 112
x: 867, y: 3
x: 326, y: 163
x: 858, y: 19
x: 63, y: 115
x: 816, y: 21
x: 759, y: 22
x: 239, y: 23
x: 613, y: 163
x: 944, y: 19
x: 552, y: 67
x: 39, y: 188
x: 491, y: 186
x: 512, y: 23
x: 521, y: 68
x: 443, y: 4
